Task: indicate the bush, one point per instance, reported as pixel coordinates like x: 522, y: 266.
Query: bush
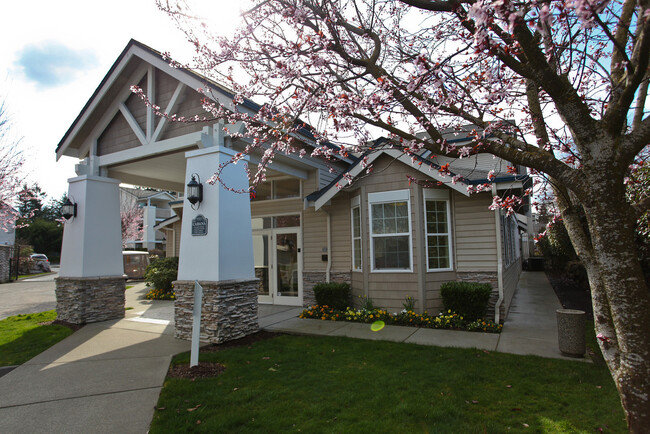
x: 161, y: 273
x: 334, y: 295
x: 468, y: 299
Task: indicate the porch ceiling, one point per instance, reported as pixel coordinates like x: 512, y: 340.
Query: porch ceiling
x: 165, y: 172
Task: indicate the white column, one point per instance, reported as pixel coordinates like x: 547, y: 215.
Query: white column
x: 92, y: 241
x: 149, y: 233
x: 226, y: 251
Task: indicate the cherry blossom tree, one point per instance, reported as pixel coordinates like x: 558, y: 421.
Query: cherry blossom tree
x: 557, y: 86
x: 11, y: 172
x: 131, y: 220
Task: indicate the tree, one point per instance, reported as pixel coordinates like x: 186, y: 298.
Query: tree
x: 30, y: 201
x: 131, y: 220
x: 572, y: 75
x: 11, y: 165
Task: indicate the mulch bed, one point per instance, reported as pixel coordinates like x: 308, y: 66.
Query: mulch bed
x: 202, y: 370
x: 210, y: 369
x: 73, y: 327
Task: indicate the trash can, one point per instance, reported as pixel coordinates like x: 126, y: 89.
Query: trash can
x: 571, y: 332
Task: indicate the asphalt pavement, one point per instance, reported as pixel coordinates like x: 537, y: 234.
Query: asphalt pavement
x: 35, y: 294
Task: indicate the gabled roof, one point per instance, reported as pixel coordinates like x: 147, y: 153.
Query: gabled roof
x: 464, y: 177
x: 115, y: 79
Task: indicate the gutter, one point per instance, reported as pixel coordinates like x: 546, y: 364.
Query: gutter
x: 497, y: 220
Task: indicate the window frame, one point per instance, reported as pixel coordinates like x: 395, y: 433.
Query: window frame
x: 355, y: 203
x: 438, y: 195
x: 273, y: 189
x: 390, y: 197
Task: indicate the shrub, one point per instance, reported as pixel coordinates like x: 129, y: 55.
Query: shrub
x: 468, y: 299
x: 161, y: 273
x: 334, y: 295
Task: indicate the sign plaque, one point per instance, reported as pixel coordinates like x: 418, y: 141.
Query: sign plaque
x: 199, y: 225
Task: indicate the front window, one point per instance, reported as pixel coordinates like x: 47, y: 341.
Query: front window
x: 277, y: 189
x: 390, y: 230
x: 437, y: 221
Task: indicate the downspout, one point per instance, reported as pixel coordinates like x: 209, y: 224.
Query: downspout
x: 497, y: 220
x: 328, y: 269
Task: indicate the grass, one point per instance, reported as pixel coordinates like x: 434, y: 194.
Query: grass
x: 22, y: 276
x: 336, y: 384
x: 21, y: 336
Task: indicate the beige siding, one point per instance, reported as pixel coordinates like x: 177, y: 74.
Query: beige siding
x: 387, y: 290
x: 137, y: 107
x: 118, y: 136
x: 475, y: 230
x: 189, y: 106
x: 341, y: 236
x: 433, y: 281
x: 314, y: 240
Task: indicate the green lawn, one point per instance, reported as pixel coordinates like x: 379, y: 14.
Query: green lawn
x: 21, y: 336
x: 332, y: 384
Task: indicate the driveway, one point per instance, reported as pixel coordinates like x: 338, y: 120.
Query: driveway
x: 28, y: 295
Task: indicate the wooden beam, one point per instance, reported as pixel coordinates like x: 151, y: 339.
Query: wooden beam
x: 174, y: 144
x: 133, y: 123
x: 151, y: 94
x: 112, y: 110
x: 171, y: 106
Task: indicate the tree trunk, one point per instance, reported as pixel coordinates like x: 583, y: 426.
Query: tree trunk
x: 621, y: 300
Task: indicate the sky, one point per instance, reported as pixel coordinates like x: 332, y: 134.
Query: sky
x: 54, y: 55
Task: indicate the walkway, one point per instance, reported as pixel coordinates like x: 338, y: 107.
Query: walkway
x: 106, y: 377
x: 530, y: 328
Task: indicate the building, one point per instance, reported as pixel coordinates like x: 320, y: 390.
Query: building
x: 387, y: 236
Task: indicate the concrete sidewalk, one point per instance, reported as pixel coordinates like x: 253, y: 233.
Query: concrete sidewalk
x: 530, y: 328
x: 106, y: 377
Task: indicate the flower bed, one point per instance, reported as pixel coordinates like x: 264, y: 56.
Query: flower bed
x: 409, y: 318
x: 160, y: 294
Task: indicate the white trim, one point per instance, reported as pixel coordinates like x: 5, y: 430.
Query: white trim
x: 356, y: 170
x: 109, y: 114
x: 356, y: 204
x: 91, y: 107
x: 133, y: 123
x: 127, y: 155
x: 171, y: 106
x: 427, y: 170
x: 151, y: 86
x: 438, y: 195
x: 390, y: 197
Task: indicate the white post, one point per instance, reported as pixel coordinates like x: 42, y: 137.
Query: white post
x: 196, y: 324
x: 224, y: 249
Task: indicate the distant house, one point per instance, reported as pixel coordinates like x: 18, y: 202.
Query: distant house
x: 7, y: 241
x: 155, y: 209
x: 313, y: 220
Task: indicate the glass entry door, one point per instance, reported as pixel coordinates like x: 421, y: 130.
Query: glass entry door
x: 278, y: 265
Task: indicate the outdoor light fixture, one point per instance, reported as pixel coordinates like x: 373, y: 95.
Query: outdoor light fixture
x: 194, y: 190
x: 68, y: 209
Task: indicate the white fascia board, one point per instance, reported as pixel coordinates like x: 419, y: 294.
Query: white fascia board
x: 109, y: 114
x: 100, y: 95
x: 184, y: 77
x: 162, y: 147
x: 354, y: 172
x: 281, y: 167
x: 167, y: 222
x: 509, y: 185
x: 423, y: 168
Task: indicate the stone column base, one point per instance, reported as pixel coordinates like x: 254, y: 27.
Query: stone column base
x: 81, y: 300
x: 229, y: 309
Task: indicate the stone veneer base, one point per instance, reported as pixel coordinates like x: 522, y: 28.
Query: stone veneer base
x: 490, y: 277
x: 81, y: 300
x: 229, y: 309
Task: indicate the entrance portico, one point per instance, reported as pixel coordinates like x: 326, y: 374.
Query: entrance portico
x: 119, y: 139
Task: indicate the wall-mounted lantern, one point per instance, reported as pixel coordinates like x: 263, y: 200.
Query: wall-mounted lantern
x: 195, y: 191
x: 68, y: 209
